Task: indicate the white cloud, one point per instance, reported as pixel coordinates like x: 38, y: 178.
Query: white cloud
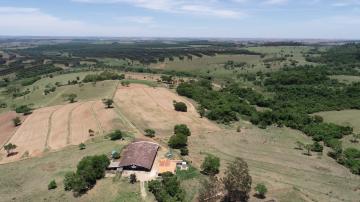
x: 199, y: 7
x: 275, y: 2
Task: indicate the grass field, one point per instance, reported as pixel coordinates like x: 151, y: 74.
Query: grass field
x: 27, y: 180
x: 346, y: 78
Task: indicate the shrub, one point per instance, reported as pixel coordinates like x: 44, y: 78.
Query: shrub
x: 17, y: 121
x: 52, y: 185
x: 317, y: 147
x: 108, y: 103
x: 261, y: 190
x: 168, y: 189
x: 182, y: 129
x: 116, y: 135
x: 180, y: 106
x: 150, y: 132
x: 82, y: 146
x: 133, y: 178
x: 211, y: 165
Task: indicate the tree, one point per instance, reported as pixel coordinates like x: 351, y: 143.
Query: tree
x: 308, y: 148
x: 210, y: 190
x: 182, y: 129
x: 299, y: 145
x: 178, y: 141
x: 180, y: 106
x: 82, y: 146
x: 237, y: 181
x: 317, y: 147
x: 201, y: 110
x: 71, y: 97
x: 17, y: 121
x: 149, y: 132
x: 52, y: 185
x: 9, y: 148
x: 116, y: 135
x: 261, y: 190
x: 108, y: 103
x: 133, y: 178
x: 211, y: 165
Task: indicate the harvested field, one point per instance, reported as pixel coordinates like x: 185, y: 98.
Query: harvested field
x: 7, y: 127
x: 30, y: 138
x: 53, y: 128
x: 148, y: 107
x: 82, y: 120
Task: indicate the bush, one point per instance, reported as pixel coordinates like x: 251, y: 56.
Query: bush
x: 23, y: 109
x: 180, y: 106
x: 150, y: 132
x: 133, y: 178
x: 168, y: 189
x: 82, y: 146
x: 317, y: 147
x: 182, y: 129
x: 184, y: 151
x: 116, y: 135
x: 261, y: 190
x: 52, y: 185
x: 211, y: 165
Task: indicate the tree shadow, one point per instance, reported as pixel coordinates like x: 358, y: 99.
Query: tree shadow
x: 12, y: 154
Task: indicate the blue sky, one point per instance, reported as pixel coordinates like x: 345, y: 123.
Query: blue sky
x: 330, y: 19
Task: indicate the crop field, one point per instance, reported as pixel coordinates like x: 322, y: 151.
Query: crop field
x: 149, y: 107
x: 53, y: 128
x: 27, y: 180
x: 7, y: 127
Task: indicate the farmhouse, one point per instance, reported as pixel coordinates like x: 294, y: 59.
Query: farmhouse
x: 139, y: 156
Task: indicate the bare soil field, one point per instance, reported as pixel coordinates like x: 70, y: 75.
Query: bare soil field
x: 7, y: 128
x: 148, y: 107
x: 31, y: 136
x: 53, y: 128
x: 82, y: 120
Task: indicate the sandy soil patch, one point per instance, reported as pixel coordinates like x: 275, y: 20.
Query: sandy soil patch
x: 82, y: 120
x: 59, y: 126
x: 30, y: 138
x: 149, y: 107
x: 7, y: 128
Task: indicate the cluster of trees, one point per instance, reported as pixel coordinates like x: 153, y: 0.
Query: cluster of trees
x: 167, y: 189
x: 234, y: 186
x: 179, y: 139
x: 230, y: 65
x: 30, y: 81
x: 89, y: 170
x: 106, y: 75
x: 24, y: 109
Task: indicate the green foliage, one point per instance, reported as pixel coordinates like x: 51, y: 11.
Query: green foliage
x: 237, y: 181
x: 230, y: 65
x: 149, y: 132
x: 52, y: 185
x: 23, y: 109
x: 168, y: 189
x: 182, y: 129
x: 261, y: 190
x: 317, y: 147
x: 89, y: 169
x: 106, y: 75
x: 116, y: 135
x: 352, y: 160
x: 70, y: 97
x: 180, y: 106
x: 17, y: 121
x: 323, y: 131
x: 210, y: 165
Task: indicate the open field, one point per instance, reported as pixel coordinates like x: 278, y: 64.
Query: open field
x: 270, y: 153
x: 53, y: 128
x: 148, y: 107
x: 27, y: 180
x: 346, y: 78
